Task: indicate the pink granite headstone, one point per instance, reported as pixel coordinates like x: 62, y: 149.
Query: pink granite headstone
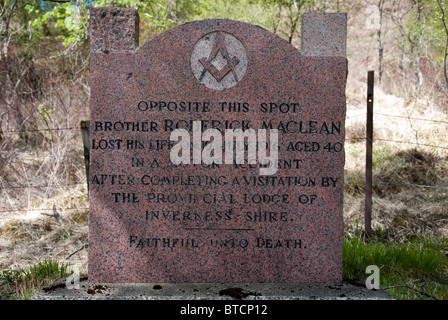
x: 155, y: 221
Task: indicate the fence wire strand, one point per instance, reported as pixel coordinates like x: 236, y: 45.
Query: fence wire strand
x: 396, y: 116
x: 40, y: 130
x: 349, y: 139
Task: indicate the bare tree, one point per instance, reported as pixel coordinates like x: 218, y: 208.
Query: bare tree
x: 379, y: 40
x: 287, y: 18
x: 7, y: 10
x: 398, y: 21
x: 444, y: 13
x: 294, y: 11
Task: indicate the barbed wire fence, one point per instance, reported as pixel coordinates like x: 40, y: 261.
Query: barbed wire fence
x: 83, y: 128
x: 418, y: 144
x: 17, y: 158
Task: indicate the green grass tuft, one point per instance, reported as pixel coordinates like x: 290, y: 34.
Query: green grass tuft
x: 416, y: 270
x: 24, y: 283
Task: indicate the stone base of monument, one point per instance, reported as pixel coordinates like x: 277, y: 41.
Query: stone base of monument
x: 347, y: 290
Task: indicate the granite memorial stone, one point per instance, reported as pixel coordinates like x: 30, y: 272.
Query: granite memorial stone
x: 154, y: 220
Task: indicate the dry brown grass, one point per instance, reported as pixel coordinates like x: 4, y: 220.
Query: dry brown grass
x: 42, y: 164
x: 25, y: 242
x: 401, y: 210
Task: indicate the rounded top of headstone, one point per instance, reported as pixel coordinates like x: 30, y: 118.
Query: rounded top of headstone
x: 193, y: 31
x: 217, y: 54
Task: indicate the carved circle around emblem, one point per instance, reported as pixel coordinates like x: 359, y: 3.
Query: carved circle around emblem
x: 219, y: 60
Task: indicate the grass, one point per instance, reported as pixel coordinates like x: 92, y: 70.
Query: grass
x: 415, y: 270
x: 22, y: 284
x: 401, y: 209
x: 383, y: 154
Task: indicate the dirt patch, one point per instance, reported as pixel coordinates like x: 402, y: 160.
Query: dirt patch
x: 237, y: 293
x: 96, y: 289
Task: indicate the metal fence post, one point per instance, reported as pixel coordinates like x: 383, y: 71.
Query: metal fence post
x: 369, y: 144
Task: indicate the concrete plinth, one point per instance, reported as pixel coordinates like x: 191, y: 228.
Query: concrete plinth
x: 209, y: 291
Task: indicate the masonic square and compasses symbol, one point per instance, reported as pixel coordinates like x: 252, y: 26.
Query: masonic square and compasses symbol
x: 219, y: 60
x: 231, y: 61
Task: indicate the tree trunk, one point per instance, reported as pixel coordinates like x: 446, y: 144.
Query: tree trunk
x: 379, y: 41
x: 445, y: 54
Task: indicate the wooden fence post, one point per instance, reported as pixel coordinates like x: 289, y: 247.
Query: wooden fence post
x: 85, y: 129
